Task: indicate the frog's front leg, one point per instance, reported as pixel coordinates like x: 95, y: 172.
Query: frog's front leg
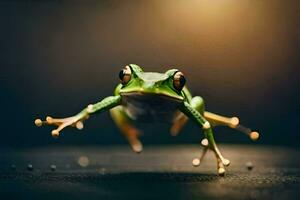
x: 76, y: 120
x: 195, y: 115
x: 124, y: 124
x: 180, y: 120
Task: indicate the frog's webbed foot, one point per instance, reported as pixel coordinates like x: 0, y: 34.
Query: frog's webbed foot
x: 232, y: 122
x: 61, y: 123
x: 77, y: 120
x: 221, y: 161
x: 197, y: 161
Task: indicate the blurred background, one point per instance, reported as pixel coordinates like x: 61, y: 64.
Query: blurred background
x: 56, y: 57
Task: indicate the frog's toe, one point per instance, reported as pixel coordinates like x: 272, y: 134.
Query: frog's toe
x: 226, y: 162
x: 254, y: 135
x: 196, y: 162
x: 38, y: 122
x: 55, y: 133
x: 79, y: 125
x: 221, y: 167
x: 221, y: 171
x: 137, y: 147
x: 204, y: 142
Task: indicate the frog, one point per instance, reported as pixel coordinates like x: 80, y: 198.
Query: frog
x: 150, y: 97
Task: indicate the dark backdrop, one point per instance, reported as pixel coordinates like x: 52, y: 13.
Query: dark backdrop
x: 58, y: 56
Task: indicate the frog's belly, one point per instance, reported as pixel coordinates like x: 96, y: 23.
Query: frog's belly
x: 150, y: 108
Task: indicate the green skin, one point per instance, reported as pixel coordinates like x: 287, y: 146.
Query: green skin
x: 136, y: 95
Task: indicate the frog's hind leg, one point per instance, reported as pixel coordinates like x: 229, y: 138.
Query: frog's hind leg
x: 232, y: 122
x: 126, y: 127
x: 178, y: 123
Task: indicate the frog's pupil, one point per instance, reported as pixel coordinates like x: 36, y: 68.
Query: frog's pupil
x: 121, y: 74
x: 182, y: 81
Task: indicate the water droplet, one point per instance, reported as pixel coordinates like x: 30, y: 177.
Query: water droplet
x: 83, y: 161
x: 13, y: 167
x: 53, y: 167
x: 249, y: 165
x: 30, y: 167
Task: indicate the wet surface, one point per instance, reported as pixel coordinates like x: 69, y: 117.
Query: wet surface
x: 160, y: 172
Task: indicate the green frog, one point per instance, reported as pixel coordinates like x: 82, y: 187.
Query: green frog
x: 150, y: 97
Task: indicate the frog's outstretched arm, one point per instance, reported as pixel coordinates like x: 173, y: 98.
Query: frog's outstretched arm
x: 192, y: 113
x: 76, y: 120
x: 180, y: 120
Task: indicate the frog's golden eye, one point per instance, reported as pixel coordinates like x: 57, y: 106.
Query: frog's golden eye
x: 178, y: 81
x: 125, y: 75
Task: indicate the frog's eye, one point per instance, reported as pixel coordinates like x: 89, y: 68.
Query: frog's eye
x: 125, y: 75
x: 178, y: 81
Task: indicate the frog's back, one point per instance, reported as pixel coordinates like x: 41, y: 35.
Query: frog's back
x: 150, y: 107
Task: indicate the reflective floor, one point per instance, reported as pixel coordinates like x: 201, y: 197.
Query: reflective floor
x: 159, y: 172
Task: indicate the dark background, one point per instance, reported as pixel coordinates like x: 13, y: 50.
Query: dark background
x: 56, y: 57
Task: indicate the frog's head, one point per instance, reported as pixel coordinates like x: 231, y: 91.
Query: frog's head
x: 135, y: 80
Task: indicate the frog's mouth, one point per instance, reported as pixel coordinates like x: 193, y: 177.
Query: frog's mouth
x: 148, y: 107
x: 145, y: 96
